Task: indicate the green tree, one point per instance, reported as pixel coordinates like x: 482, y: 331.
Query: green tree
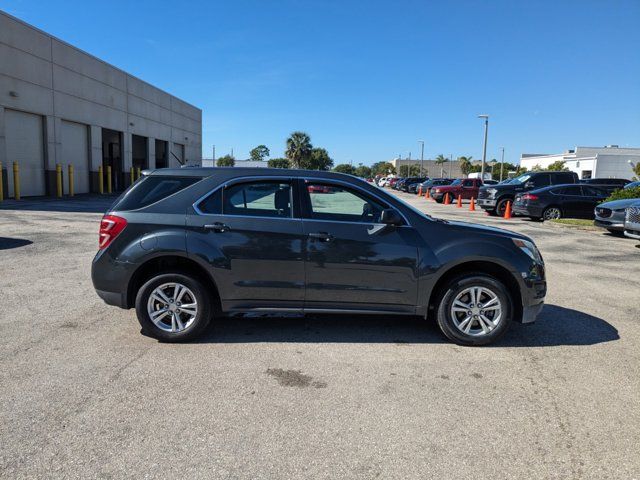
x: 441, y: 160
x: 345, y: 168
x: 537, y: 168
x: 382, y: 168
x: 279, y: 163
x: 558, y: 167
x: 363, y: 171
x: 226, y: 161
x: 465, y: 165
x: 319, y: 159
x: 403, y: 171
x: 259, y: 153
x: 505, y: 167
x: 298, y: 149
x: 636, y: 169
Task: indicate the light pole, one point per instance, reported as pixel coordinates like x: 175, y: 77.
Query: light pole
x: 421, y: 142
x: 502, y: 164
x: 484, y: 149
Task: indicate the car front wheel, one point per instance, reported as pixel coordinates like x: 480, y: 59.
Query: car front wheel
x: 173, y: 307
x: 475, y: 309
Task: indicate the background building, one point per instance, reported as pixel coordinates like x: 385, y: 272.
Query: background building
x: 60, y: 105
x: 590, y: 162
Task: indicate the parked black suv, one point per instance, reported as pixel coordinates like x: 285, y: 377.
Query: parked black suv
x: 185, y: 245
x: 494, y: 198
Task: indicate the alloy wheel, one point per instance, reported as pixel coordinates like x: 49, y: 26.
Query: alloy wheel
x: 476, y: 311
x: 552, y: 213
x: 172, y: 307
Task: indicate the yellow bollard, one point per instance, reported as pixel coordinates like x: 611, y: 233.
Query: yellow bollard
x: 133, y: 175
x: 58, y: 180
x: 108, y: 178
x: 70, y: 180
x: 100, y: 180
x: 16, y: 181
x: 1, y: 185
x: 139, y: 172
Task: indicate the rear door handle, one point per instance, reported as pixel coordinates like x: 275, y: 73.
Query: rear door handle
x: 322, y: 236
x: 217, y: 227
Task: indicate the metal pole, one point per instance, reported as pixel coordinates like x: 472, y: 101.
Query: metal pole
x: 1, y: 185
x: 421, y: 142
x: 502, y: 164
x: 214, y: 155
x: 70, y: 175
x: 484, y: 149
x: 16, y: 181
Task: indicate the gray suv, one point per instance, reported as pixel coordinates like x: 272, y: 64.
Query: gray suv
x: 187, y: 245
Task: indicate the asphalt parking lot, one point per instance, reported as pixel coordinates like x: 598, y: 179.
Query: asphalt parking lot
x: 84, y: 395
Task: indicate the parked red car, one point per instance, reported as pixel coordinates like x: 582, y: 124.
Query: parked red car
x: 465, y: 187
x: 391, y: 183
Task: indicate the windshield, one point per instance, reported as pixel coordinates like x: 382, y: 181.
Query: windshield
x: 456, y: 182
x: 521, y: 179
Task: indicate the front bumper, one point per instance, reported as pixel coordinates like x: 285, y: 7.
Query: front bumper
x: 486, y: 203
x: 632, y: 234
x: 531, y: 312
x: 608, y: 225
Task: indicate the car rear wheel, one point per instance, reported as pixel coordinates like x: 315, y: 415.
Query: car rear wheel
x: 552, y: 213
x: 173, y: 307
x: 475, y: 309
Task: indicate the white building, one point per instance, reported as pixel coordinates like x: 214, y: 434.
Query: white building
x: 60, y: 105
x: 590, y: 162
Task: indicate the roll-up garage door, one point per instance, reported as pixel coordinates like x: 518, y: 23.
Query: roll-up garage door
x: 177, y: 158
x: 75, y: 151
x: 25, y: 145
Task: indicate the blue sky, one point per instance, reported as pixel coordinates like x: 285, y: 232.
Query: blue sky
x: 368, y: 79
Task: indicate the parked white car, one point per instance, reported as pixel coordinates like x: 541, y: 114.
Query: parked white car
x: 382, y: 182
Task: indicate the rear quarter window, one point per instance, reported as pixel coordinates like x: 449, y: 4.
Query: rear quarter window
x: 152, y: 189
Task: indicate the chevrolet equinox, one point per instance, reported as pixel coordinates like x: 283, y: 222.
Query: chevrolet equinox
x: 187, y: 245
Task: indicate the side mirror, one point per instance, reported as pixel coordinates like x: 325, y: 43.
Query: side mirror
x: 389, y: 216
x: 529, y: 185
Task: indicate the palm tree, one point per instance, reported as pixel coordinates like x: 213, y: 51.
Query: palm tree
x: 441, y: 160
x: 298, y: 149
x: 465, y: 164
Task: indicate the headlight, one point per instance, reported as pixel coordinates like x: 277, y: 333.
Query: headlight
x: 437, y: 190
x: 529, y: 248
x: 491, y: 191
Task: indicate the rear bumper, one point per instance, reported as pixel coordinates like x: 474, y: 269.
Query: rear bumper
x: 528, y: 211
x: 113, y: 298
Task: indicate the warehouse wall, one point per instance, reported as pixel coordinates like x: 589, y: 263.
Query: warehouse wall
x: 48, y: 78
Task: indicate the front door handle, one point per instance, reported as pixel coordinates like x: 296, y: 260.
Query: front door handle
x: 217, y: 227
x: 321, y: 236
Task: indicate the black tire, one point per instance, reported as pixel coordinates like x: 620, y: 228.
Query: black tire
x: 491, y: 213
x: 501, y: 206
x: 440, y: 200
x: 202, y: 316
x: 547, y: 211
x: 458, y: 285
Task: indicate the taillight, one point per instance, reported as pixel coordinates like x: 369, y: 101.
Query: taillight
x: 110, y: 228
x: 529, y: 196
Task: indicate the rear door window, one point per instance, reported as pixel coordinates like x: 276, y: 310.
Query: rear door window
x: 258, y: 199
x: 152, y: 189
x: 559, y: 178
x: 541, y: 180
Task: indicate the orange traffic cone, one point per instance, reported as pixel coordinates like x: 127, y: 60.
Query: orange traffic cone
x: 472, y: 205
x: 420, y: 191
x: 447, y: 200
x: 507, y: 211
x: 427, y: 194
x: 459, y: 205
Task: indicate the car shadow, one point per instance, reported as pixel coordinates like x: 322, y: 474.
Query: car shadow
x: 556, y: 326
x: 83, y: 203
x: 7, y: 243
